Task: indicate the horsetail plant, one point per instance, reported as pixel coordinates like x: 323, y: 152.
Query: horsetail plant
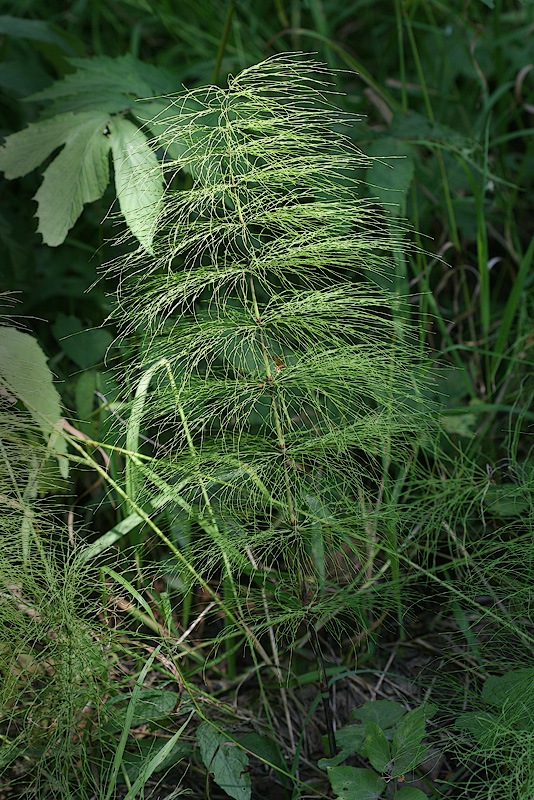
x: 283, y: 391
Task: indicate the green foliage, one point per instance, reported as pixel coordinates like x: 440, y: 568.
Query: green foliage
x: 104, y: 84
x: 277, y: 394
x: 78, y: 175
x: 137, y: 179
x: 390, y: 738
x: 86, y: 120
x: 225, y: 761
x: 352, y: 783
x: 393, y: 513
x: 53, y: 668
x: 25, y: 377
x: 501, y: 730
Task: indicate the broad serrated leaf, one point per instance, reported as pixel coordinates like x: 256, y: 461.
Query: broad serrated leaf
x: 105, y: 84
x: 78, y: 175
x: 377, y: 747
x: 352, y: 783
x: 138, y: 180
x: 410, y: 730
x: 25, y: 150
x: 350, y: 738
x: 225, y: 761
x: 384, y: 712
x: 26, y: 375
x: 408, y: 760
x: 407, y: 750
x: 349, y: 741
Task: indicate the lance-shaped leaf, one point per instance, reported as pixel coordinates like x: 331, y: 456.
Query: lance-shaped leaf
x: 36, y: 29
x: 226, y: 761
x: 78, y: 175
x: 377, y: 747
x: 25, y: 374
x: 138, y: 179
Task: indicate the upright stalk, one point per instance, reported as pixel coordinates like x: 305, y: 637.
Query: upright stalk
x: 222, y: 43
x: 229, y: 590
x: 291, y: 506
x: 293, y: 521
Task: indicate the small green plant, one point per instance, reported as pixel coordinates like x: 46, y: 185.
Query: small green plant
x: 390, y: 738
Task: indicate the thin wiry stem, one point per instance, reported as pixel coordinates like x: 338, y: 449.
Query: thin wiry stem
x: 224, y: 38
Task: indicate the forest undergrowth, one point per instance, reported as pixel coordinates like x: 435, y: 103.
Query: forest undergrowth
x: 266, y: 401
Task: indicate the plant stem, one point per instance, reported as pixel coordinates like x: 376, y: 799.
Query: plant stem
x: 293, y: 519
x: 276, y: 413
x: 314, y: 639
x: 224, y: 39
x: 323, y: 686
x: 229, y: 590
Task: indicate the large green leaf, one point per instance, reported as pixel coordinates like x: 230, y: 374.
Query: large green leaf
x: 406, y: 748
x: 25, y: 150
x: 266, y: 750
x: 349, y: 740
x: 226, y: 761
x: 105, y: 84
x: 138, y: 179
x: 78, y: 175
x: 410, y: 793
x: 352, y: 783
x: 25, y: 375
x: 377, y: 747
x: 384, y: 712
